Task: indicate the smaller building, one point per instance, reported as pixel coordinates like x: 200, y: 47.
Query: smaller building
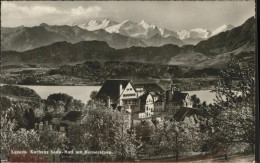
x: 146, y: 105
x: 159, y: 106
x: 175, y: 99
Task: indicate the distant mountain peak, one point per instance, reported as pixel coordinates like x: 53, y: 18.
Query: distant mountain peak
x: 96, y: 24
x: 196, y: 33
x: 44, y: 25
x: 127, y: 22
x: 146, y: 25
x: 222, y: 28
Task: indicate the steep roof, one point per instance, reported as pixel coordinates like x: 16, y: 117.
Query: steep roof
x: 72, y: 116
x: 111, y: 88
x: 144, y: 97
x: 149, y: 87
x: 185, y: 112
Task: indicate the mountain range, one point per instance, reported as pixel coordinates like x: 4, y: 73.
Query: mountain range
x: 118, y: 35
x: 216, y: 51
x: 145, y: 30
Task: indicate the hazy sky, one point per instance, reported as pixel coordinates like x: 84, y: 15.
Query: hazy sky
x: 169, y: 14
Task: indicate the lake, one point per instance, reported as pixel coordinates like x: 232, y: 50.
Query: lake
x: 77, y: 92
x: 83, y: 92
x: 203, y: 95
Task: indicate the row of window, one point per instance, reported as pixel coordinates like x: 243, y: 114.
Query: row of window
x: 172, y: 103
x: 158, y: 110
x: 158, y: 104
x: 148, y: 109
x: 148, y: 114
x: 127, y: 95
x: 130, y: 102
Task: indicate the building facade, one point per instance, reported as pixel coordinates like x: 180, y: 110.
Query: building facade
x: 142, y: 100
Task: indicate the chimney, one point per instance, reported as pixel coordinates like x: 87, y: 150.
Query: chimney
x: 120, y: 89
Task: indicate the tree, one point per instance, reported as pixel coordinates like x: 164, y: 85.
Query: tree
x: 144, y: 129
x: 57, y: 104
x: 29, y: 115
x: 26, y: 139
x: 102, y: 130
x: 175, y: 137
x: 7, y: 134
x: 181, y: 137
x: 231, y: 119
x: 195, y: 100
x: 93, y: 95
x: 52, y: 140
x: 12, y: 139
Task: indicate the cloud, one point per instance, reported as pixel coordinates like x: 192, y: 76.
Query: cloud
x: 89, y: 11
x: 14, y: 14
x: 13, y: 9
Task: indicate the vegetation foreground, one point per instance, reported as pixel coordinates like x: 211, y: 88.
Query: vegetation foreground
x: 224, y: 129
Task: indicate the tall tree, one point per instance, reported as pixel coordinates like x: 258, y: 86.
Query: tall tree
x: 231, y: 120
x: 7, y: 134
x: 102, y: 130
x: 176, y: 138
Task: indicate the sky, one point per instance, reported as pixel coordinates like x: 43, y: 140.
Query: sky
x: 173, y: 15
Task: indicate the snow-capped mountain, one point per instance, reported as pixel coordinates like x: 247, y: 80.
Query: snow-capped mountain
x: 144, y: 30
x: 117, y: 34
x: 194, y: 33
x: 222, y: 28
x: 93, y: 25
x: 194, y: 36
x: 121, y: 28
x: 166, y: 33
x: 141, y: 30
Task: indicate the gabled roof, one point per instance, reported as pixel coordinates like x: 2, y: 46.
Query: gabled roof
x: 72, y: 116
x: 144, y: 97
x: 155, y: 94
x: 149, y: 87
x: 186, y: 112
x: 111, y: 88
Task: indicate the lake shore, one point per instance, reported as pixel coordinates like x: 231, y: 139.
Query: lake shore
x: 83, y: 92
